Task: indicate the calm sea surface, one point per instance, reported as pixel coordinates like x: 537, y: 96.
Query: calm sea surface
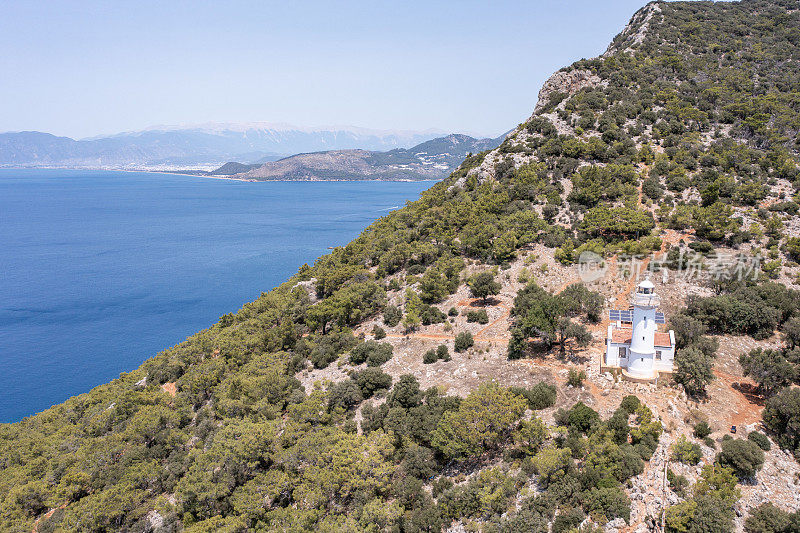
x: 100, y: 270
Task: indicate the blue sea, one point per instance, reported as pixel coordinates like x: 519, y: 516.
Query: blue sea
x: 101, y: 270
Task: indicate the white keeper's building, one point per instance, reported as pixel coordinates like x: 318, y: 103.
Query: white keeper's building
x: 634, y: 344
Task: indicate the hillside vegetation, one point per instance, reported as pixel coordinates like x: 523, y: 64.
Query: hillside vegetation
x: 688, y: 125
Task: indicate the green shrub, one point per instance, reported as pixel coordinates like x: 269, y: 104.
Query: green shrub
x: 328, y: 347
x: 618, y: 426
x: 405, y: 393
x: 380, y: 356
x: 766, y: 518
x: 568, y: 520
x: 575, y: 378
x: 652, y: 188
x: 702, y: 514
x: 464, y: 341
x: 372, y: 380
x: 416, y: 270
x: 430, y: 357
x: 743, y: 456
x: 540, y: 396
x: 702, y: 429
x: 530, y: 435
x: 581, y: 418
x: 760, y: 440
x: 429, y: 314
x: 677, y: 483
x: 769, y: 368
x: 755, y: 311
x: 687, y: 329
x: 686, y: 451
x: 645, y: 449
x: 345, y: 394
x: 608, y: 502
x: 483, y: 420
x: 484, y: 496
x: 418, y: 462
x: 378, y: 333
x: 526, y: 520
x: 630, y: 403
x: 392, y: 315
x: 782, y: 417
x: 441, y: 485
x: 478, y: 316
x: 425, y: 516
x: 442, y: 352
x: 452, y: 312
x: 483, y: 285
x: 645, y: 436
x: 693, y: 370
x: 371, y: 352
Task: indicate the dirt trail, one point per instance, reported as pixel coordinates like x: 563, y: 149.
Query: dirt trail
x: 506, y: 313
x: 46, y: 516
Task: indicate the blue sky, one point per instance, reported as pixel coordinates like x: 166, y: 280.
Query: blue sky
x: 82, y: 68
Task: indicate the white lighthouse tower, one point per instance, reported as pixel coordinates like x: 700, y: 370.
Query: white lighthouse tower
x: 643, y: 349
x: 634, y: 343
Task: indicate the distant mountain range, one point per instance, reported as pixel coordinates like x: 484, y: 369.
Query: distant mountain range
x: 204, y: 146
x: 433, y: 159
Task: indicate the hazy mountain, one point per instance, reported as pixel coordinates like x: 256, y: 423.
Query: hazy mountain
x: 432, y: 159
x: 207, y: 145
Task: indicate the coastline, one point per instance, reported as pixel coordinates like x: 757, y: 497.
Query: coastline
x: 220, y: 177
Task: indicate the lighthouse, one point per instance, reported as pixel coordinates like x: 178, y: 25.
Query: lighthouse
x: 642, y: 351
x: 634, y: 343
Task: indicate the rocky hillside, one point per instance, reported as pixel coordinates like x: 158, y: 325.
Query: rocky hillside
x: 433, y: 159
x: 442, y: 371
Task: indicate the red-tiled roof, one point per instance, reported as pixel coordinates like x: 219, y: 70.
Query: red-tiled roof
x: 623, y: 336
x: 662, y: 339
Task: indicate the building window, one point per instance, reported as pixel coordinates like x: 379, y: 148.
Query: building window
x: 658, y: 355
x: 622, y: 352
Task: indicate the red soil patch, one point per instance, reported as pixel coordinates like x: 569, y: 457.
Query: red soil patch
x: 746, y: 407
x: 170, y: 388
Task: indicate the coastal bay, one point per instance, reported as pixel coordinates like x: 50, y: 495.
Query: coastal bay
x: 101, y: 270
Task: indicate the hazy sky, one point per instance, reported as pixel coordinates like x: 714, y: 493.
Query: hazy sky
x: 82, y: 68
